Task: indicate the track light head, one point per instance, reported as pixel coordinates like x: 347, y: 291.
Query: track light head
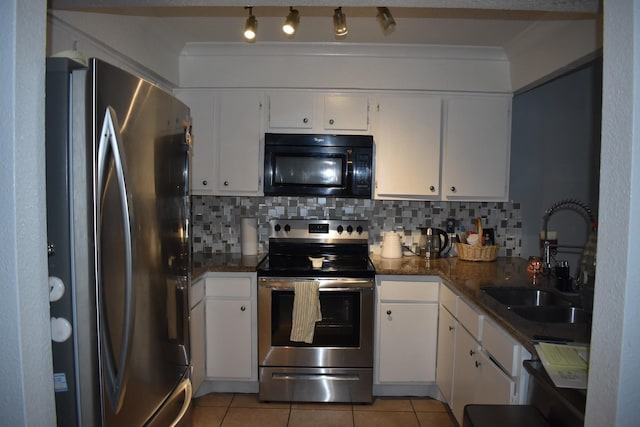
x: 291, y: 23
x: 251, y: 26
x: 340, y: 23
x: 386, y: 20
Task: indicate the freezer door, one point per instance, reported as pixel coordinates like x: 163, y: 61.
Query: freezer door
x: 140, y: 140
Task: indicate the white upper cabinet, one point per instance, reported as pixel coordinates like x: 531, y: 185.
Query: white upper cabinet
x: 226, y: 154
x: 476, y: 148
x: 203, y: 150
x: 408, y: 147
x: 314, y: 112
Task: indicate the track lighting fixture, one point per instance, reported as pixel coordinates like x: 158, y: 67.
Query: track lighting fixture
x: 386, y: 20
x: 340, y: 23
x: 251, y: 27
x: 291, y: 23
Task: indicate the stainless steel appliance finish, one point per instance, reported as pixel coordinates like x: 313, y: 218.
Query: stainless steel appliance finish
x: 318, y: 165
x: 338, y: 365
x: 117, y: 217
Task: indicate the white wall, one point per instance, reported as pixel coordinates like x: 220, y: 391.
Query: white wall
x: 614, y: 374
x: 26, y: 389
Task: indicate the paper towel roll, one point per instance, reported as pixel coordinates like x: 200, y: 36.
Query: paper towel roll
x: 249, y: 235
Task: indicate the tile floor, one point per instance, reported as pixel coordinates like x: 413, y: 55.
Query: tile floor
x: 228, y: 409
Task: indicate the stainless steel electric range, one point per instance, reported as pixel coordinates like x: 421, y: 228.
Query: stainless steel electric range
x: 337, y: 365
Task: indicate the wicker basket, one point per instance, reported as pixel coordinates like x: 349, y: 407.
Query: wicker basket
x: 477, y: 253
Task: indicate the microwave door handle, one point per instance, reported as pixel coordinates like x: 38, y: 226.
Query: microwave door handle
x: 111, y: 141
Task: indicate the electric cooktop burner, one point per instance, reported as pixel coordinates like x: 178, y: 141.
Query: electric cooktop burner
x: 343, y: 247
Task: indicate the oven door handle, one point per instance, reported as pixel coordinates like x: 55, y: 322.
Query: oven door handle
x: 325, y: 285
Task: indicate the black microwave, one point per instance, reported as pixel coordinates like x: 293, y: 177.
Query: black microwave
x: 318, y: 165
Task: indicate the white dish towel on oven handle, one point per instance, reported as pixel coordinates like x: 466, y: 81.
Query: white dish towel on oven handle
x: 306, y: 311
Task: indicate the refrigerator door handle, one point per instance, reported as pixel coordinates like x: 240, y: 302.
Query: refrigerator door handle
x: 116, y: 375
x: 183, y: 387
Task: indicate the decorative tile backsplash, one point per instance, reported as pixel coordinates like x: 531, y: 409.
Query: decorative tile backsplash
x: 216, y: 220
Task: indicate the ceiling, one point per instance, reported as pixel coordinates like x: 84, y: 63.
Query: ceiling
x: 461, y: 22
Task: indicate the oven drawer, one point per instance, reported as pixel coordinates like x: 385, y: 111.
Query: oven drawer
x: 228, y: 287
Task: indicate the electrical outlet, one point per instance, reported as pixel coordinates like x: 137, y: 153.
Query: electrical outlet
x: 451, y: 225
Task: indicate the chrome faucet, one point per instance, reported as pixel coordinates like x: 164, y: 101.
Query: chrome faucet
x: 567, y: 204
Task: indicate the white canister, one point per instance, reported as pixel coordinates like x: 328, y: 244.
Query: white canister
x: 249, y: 235
x: 391, y: 245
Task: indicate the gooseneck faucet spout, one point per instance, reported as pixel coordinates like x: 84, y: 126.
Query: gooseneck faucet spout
x: 566, y: 204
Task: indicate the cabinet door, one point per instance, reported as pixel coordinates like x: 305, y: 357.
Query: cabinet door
x: 239, y: 168
x: 466, y: 373
x: 407, y: 342
x: 197, y: 335
x: 346, y: 112
x: 477, y: 148
x: 494, y: 387
x: 203, y: 150
x: 447, y: 325
x: 408, y: 147
x: 290, y: 110
x: 228, y: 332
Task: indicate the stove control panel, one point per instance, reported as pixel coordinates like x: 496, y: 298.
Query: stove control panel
x: 323, y: 230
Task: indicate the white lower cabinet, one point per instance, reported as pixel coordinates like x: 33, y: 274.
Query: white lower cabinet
x: 406, y: 330
x: 478, y: 363
x: 197, y: 334
x: 230, y: 333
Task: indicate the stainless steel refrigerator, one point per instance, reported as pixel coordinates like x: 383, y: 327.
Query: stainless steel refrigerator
x: 117, y: 156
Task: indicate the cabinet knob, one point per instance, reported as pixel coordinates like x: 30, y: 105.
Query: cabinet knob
x: 471, y: 352
x: 205, y: 182
x: 388, y: 312
x: 243, y: 308
x: 478, y: 364
x: 305, y: 120
x: 330, y: 121
x: 453, y: 189
x: 226, y: 183
x: 451, y: 328
x: 432, y: 188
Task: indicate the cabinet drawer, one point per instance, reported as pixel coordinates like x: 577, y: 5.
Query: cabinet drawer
x: 229, y: 287
x: 391, y: 290
x: 470, y: 319
x: 502, y: 347
x: 196, y: 293
x: 449, y: 300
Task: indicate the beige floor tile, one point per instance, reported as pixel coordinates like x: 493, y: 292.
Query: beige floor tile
x: 428, y: 405
x: 320, y: 418
x: 214, y: 399
x: 252, y: 401
x: 385, y: 419
x: 436, y: 419
x: 208, y: 416
x: 323, y: 406
x: 256, y: 417
x: 386, y: 404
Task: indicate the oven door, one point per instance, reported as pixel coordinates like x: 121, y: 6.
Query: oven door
x: 343, y: 338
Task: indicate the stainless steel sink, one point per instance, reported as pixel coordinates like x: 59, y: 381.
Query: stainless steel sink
x: 553, y: 314
x: 525, y: 297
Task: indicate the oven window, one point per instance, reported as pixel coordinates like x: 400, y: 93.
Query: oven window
x: 339, y: 327
x: 303, y: 170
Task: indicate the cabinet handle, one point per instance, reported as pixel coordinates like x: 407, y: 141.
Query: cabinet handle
x: 471, y: 352
x: 243, y: 308
x: 453, y: 189
x: 305, y: 120
x: 205, y: 182
x: 388, y: 312
x: 226, y: 183
x: 330, y: 121
x: 451, y: 328
x: 478, y: 364
x: 432, y: 188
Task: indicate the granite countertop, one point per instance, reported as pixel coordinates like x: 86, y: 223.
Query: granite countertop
x: 469, y: 277
x: 465, y: 277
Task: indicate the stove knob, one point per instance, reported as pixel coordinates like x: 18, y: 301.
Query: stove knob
x: 359, y: 229
x: 287, y: 228
x: 340, y: 229
x: 277, y: 227
x: 349, y: 229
